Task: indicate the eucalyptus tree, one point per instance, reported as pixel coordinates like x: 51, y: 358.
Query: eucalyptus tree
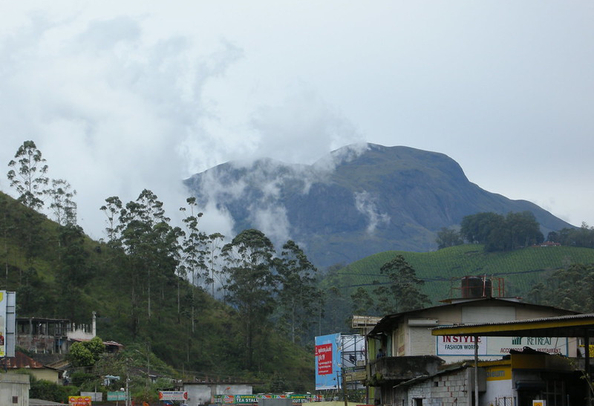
x: 403, y: 292
x: 214, y: 260
x: 61, y: 202
x: 194, y: 251
x: 73, y: 272
x: 250, y: 286
x: 298, y: 295
x: 29, y: 175
x: 141, y: 230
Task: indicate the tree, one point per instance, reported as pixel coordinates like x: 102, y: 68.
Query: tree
x: 298, y: 293
x: 193, y: 254
x: 569, y: 288
x: 73, y: 272
x: 403, y: 292
x: 86, y: 353
x: 142, y: 232
x: 250, y: 285
x: 29, y: 179
x: 62, y: 205
x: 476, y: 228
x: 502, y: 233
x: 363, y: 303
x: 524, y: 230
x: 447, y: 237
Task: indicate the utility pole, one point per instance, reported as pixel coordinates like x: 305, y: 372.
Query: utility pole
x: 127, y: 391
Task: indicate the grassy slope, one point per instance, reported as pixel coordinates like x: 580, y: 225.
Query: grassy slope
x: 442, y: 270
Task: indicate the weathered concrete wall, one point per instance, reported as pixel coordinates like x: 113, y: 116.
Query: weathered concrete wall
x: 14, y: 389
x: 444, y: 390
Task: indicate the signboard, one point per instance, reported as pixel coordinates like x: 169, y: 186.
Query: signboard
x: 95, y: 396
x: 115, y: 396
x: 173, y: 395
x: 502, y: 373
x: 7, y: 323
x: 499, y: 346
x: 250, y: 399
x: 327, y: 355
x: 79, y: 401
x: 324, y: 356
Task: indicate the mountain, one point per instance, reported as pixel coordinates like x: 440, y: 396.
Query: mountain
x: 357, y: 201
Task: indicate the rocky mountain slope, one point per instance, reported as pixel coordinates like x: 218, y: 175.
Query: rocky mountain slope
x: 355, y: 202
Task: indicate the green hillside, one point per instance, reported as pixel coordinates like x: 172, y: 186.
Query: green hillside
x: 195, y: 334
x: 515, y: 272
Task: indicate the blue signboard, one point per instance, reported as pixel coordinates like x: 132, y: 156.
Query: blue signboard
x: 328, y: 357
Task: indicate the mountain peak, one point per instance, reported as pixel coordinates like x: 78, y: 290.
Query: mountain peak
x: 356, y: 201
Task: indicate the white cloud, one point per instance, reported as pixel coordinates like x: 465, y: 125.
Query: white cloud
x: 126, y: 95
x: 366, y: 204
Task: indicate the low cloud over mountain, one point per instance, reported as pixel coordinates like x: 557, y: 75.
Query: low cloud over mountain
x: 357, y: 201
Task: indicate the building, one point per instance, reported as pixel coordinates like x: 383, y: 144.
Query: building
x: 37, y: 369
x: 410, y: 352
x: 14, y: 389
x: 51, y: 336
x: 206, y: 393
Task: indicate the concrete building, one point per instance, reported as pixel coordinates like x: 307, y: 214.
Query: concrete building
x: 204, y: 393
x: 14, y: 389
x: 411, y: 354
x: 51, y: 336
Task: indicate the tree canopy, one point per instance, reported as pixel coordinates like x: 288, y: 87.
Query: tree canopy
x: 501, y: 233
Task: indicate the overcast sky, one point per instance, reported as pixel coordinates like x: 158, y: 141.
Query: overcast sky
x: 125, y: 95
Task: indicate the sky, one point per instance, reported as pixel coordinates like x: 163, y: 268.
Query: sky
x: 127, y: 95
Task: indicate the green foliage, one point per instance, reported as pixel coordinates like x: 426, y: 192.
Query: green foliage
x: 83, y: 380
x: 62, y: 203
x: 250, y: 286
x: 86, y: 353
x: 575, y: 237
x: 70, y: 275
x: 402, y: 293
x: 80, y: 355
x: 298, y: 297
x: 41, y: 389
x: 447, y: 237
x: 29, y: 179
x: 569, y: 288
x: 501, y: 233
x: 513, y: 273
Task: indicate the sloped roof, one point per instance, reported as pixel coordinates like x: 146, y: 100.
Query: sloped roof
x: 21, y: 361
x: 562, y: 326
x: 388, y: 322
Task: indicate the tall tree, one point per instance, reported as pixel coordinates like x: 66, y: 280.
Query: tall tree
x: 298, y: 292
x: 62, y: 203
x: 142, y: 231
x: 28, y: 175
x: 250, y: 285
x: 193, y: 254
x: 403, y: 292
x: 568, y: 288
x: 73, y: 271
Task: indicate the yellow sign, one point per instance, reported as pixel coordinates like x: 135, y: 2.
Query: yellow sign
x: 498, y: 373
x: 539, y: 403
x: 79, y: 401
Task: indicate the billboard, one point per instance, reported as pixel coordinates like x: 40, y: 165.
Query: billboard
x: 327, y: 355
x: 7, y: 323
x: 173, y: 395
x: 498, y: 346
